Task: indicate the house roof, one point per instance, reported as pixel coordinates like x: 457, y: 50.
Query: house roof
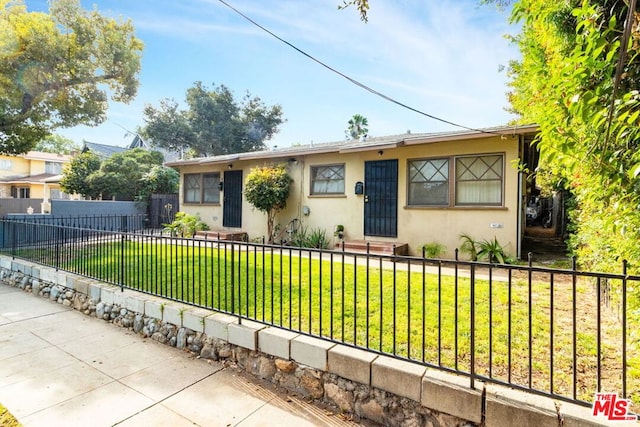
x: 105, y: 151
x: 33, y: 179
x: 102, y: 150
x: 48, y: 157
x: 369, y: 144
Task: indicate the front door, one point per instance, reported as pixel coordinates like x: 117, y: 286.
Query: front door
x: 381, y: 198
x: 232, y: 200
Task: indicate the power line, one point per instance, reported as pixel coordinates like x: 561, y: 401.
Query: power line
x: 350, y: 79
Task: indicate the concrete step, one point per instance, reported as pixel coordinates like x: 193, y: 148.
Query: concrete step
x: 380, y: 248
x: 222, y: 235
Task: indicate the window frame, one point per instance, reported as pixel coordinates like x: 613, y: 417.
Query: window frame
x: 201, y: 189
x: 20, y: 192
x: 453, y: 192
x: 500, y: 203
x: 409, y: 182
x: 54, y: 168
x: 312, y: 176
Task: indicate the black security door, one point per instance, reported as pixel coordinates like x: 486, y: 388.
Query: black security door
x: 381, y: 198
x: 232, y: 201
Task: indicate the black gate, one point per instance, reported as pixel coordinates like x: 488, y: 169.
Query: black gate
x: 232, y: 206
x: 162, y: 209
x: 381, y: 198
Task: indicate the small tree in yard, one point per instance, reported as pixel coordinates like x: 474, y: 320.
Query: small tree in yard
x: 267, y: 189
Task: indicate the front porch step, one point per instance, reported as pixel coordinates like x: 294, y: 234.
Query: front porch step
x: 380, y: 248
x: 222, y: 235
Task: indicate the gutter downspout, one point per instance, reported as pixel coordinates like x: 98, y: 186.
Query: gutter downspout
x: 521, y: 204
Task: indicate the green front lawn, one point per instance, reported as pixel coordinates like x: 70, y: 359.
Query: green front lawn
x: 423, y: 317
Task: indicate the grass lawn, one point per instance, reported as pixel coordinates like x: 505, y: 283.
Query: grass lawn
x: 6, y: 419
x: 521, y: 333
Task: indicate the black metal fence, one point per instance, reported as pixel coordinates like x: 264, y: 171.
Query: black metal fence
x: 563, y: 333
x: 18, y: 235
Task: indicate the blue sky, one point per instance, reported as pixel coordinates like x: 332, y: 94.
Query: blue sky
x: 441, y: 57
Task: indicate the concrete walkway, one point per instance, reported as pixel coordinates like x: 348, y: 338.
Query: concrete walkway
x: 59, y: 367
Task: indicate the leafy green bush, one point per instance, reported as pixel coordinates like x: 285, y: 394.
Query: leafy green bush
x: 305, y: 238
x: 185, y: 225
x: 267, y: 189
x: 432, y: 250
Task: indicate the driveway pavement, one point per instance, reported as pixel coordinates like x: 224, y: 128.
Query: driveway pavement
x: 59, y: 367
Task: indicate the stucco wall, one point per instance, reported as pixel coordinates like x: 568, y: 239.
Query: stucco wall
x: 416, y: 225
x: 18, y: 166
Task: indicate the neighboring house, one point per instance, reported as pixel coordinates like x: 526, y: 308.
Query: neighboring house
x: 35, y: 175
x: 406, y: 189
x: 105, y: 151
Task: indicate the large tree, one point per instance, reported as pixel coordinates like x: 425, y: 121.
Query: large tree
x: 121, y: 175
x: 57, y: 144
x: 129, y: 175
x: 56, y: 69
x: 579, y: 80
x: 76, y: 173
x: 215, y: 122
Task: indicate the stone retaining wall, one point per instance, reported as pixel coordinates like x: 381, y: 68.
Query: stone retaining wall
x: 361, y: 384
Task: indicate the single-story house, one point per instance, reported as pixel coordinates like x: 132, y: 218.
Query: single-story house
x: 408, y: 189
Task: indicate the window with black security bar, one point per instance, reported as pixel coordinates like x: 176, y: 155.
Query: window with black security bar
x: 201, y: 188
x: 327, y: 179
x: 429, y: 182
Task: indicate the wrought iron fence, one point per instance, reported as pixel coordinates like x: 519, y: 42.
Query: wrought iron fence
x: 122, y: 223
x: 563, y: 333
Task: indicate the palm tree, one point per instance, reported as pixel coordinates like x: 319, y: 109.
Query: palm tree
x: 357, y: 127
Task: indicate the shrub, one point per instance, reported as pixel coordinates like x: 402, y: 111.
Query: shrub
x: 267, y: 189
x: 318, y: 239
x: 305, y: 238
x: 492, y: 250
x: 432, y: 250
x: 185, y: 225
x: 469, y: 247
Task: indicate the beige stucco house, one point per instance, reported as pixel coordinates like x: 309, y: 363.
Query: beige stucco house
x: 34, y: 175
x: 406, y: 189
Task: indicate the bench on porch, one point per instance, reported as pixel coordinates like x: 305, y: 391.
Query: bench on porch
x: 239, y: 236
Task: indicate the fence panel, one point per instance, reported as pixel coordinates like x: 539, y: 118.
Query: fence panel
x: 562, y: 333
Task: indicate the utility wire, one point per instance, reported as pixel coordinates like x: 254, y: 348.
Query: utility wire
x: 350, y: 79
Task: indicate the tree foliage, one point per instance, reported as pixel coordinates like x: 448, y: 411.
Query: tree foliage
x: 56, y: 68
x: 267, y: 189
x: 215, y: 122
x: 75, y: 174
x: 357, y: 127
x: 159, y: 180
x: 129, y: 175
x: 56, y: 144
x: 361, y: 5
x: 578, y: 79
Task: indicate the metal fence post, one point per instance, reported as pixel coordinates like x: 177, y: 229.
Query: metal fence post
x: 472, y: 323
x: 233, y: 276
x: 121, y: 281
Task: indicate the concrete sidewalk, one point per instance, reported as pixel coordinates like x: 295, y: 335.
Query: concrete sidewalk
x: 59, y: 367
